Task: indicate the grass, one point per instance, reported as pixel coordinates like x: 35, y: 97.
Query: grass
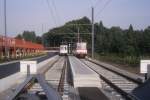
x: 129, y: 63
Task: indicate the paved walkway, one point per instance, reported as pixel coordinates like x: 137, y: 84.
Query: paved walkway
x: 12, y: 81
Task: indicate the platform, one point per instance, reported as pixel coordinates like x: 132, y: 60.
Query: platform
x: 11, y: 82
x: 82, y: 75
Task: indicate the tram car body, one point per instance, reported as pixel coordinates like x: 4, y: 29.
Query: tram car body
x: 81, y: 50
x: 63, y: 50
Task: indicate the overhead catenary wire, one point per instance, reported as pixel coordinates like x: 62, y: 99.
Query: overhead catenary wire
x: 105, y: 5
x: 86, y: 10
x: 92, y: 4
x: 96, y: 3
x: 51, y: 12
x: 56, y: 11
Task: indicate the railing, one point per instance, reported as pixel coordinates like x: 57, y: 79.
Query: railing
x: 51, y: 94
x: 20, y: 43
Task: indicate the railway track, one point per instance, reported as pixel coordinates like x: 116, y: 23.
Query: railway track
x: 42, y: 85
x: 51, y: 82
x: 55, y: 76
x: 85, y: 81
x: 114, y: 85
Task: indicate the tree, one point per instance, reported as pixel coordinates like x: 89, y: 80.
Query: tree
x: 56, y: 35
x: 39, y: 40
x: 117, y: 41
x: 131, y: 43
x: 29, y: 36
x: 99, y: 37
x: 112, y: 40
x: 19, y: 36
x: 146, y: 40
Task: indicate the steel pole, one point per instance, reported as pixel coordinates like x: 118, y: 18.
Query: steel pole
x: 5, y: 24
x: 78, y: 35
x: 92, y: 32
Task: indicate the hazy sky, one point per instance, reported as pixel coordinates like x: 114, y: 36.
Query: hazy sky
x: 33, y: 14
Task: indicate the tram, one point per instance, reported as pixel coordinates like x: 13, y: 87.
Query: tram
x: 81, y: 49
x: 63, y: 50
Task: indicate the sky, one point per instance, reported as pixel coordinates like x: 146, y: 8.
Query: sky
x: 43, y: 15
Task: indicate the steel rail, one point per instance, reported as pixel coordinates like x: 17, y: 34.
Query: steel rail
x: 61, y: 81
x: 51, y: 94
x: 139, y: 82
x: 45, y: 69
x: 126, y: 95
x: 22, y: 87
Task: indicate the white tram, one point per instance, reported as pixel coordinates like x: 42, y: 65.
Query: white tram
x: 81, y: 49
x: 63, y: 50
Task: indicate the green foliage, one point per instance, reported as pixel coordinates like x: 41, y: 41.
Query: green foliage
x: 68, y: 33
x: 19, y: 36
x: 127, y: 43
x: 30, y: 36
x: 127, y: 60
x: 38, y: 40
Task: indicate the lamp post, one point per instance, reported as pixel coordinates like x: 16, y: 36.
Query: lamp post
x: 5, y: 24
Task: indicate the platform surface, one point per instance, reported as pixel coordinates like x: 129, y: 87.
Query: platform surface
x: 82, y: 75
x: 79, y: 68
